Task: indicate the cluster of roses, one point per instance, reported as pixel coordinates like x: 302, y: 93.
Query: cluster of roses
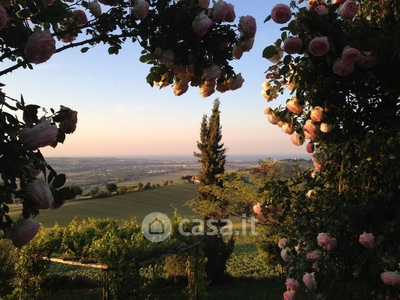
x: 35, y: 192
x: 328, y: 243
x: 315, y: 46
x: 212, y: 79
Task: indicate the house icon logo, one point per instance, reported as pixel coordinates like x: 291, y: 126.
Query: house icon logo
x: 156, y: 227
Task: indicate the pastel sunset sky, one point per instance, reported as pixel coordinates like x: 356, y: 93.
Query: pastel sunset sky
x: 119, y: 114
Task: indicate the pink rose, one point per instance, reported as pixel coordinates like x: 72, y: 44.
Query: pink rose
x: 350, y: 55
x: 292, y: 45
x: 325, y: 127
x: 247, y: 26
x: 237, y: 52
x: 341, y: 68
x: 294, y: 106
x: 38, y: 193
x: 141, y: 9
x: 165, y: 56
x: 234, y: 83
x: 348, y: 9
x: 40, y: 135
x: 319, y: 161
x: 246, y: 44
x: 312, y: 2
x: 281, y: 13
x: 180, y: 87
x: 40, y: 47
x: 311, y: 131
x: 317, y: 114
x: 273, y: 119
x: 223, y: 12
x: 80, y: 17
x: 204, y: 3
x: 207, y: 88
x: 366, y: 61
x: 94, y: 8
x: 3, y: 17
x: 212, y: 73
x: 321, y: 10
x: 292, y: 284
x: 326, y: 241
x: 201, y: 24
x: 297, y: 139
x: 288, y: 295
x: 309, y: 281
x: 69, y: 119
x: 286, y: 254
x: 310, y: 147
x: 258, y: 210
x: 391, y: 278
x: 23, y: 232
x: 287, y: 128
x: 314, y: 255
x: 367, y: 240
x: 319, y: 46
x: 282, y: 243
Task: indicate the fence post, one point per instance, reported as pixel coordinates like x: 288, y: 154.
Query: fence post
x: 105, y: 285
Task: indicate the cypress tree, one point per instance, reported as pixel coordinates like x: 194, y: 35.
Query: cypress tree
x: 212, y: 158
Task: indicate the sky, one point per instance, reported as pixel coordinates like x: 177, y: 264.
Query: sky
x: 119, y: 114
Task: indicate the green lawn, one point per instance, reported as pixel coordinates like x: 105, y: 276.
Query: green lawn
x: 121, y: 207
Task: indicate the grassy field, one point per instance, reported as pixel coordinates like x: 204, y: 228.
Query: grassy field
x: 120, y: 207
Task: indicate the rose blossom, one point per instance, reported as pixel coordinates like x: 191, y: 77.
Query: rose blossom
x: 319, y: 161
x: 273, y: 119
x: 288, y: 295
x: 314, y: 255
x: 317, y: 114
x: 309, y: 281
x: 40, y: 47
x: 258, y: 210
x: 367, y: 240
x: 325, y: 127
x: 350, y: 55
x: 311, y: 131
x: 247, y: 26
x: 341, y: 68
x: 297, y: 139
x: 311, y: 2
x: 212, y: 73
x: 204, y: 3
x: 286, y: 254
x: 281, y: 13
x: 94, y: 8
x: 207, y: 88
x: 237, y: 52
x: 348, y: 9
x: 366, y: 61
x: 3, y: 17
x: 292, y: 284
x: 40, y: 135
x: 201, y: 24
x: 38, y: 193
x: 6, y: 3
x: 223, y: 12
x: 294, y: 106
x: 310, y: 147
x: 141, y: 9
x: 180, y: 87
x: 165, y: 56
x: 282, y: 243
x: 326, y: 241
x: 391, y: 278
x: 69, y: 119
x: 292, y: 45
x: 318, y: 46
x: 80, y: 17
x: 321, y: 10
x: 22, y: 232
x: 246, y: 44
x: 287, y: 128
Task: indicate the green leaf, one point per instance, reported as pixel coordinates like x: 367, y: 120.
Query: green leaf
x: 59, y: 181
x: 84, y: 49
x: 267, y: 18
x: 67, y: 193
x: 269, y: 52
x: 60, y: 136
